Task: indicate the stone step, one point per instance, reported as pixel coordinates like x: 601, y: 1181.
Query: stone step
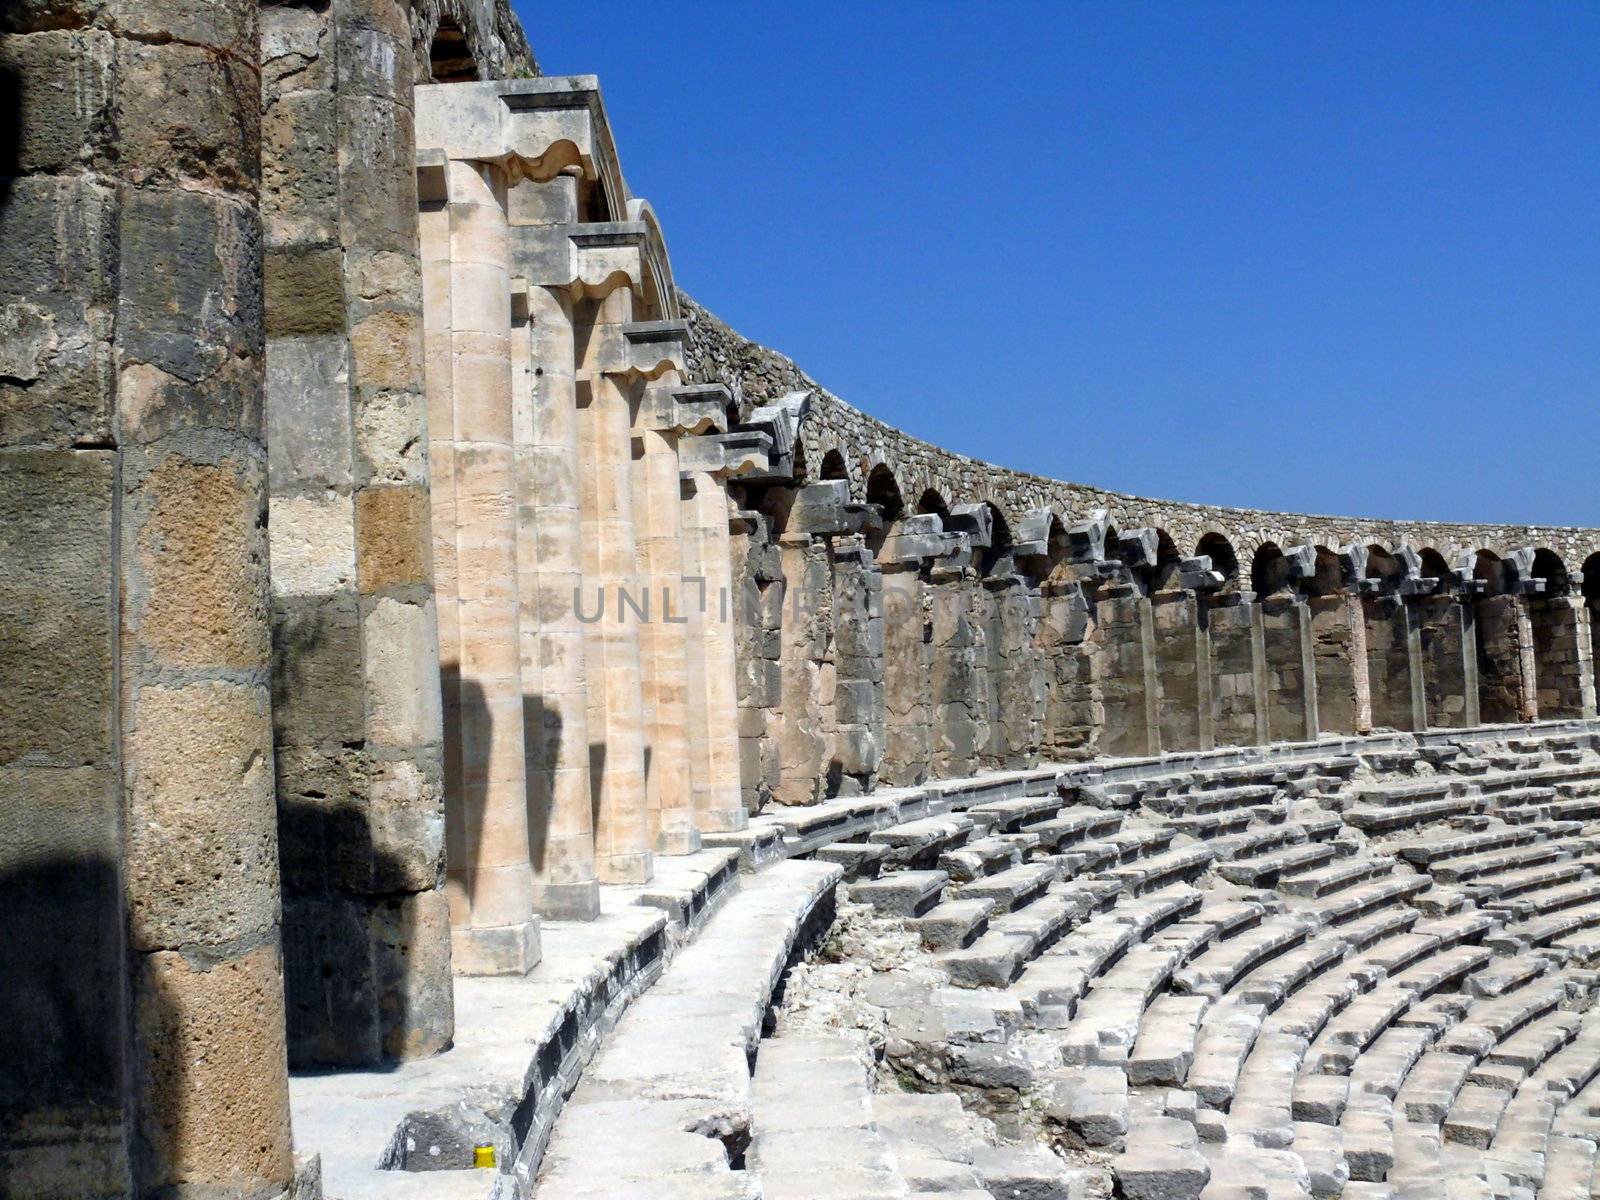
x: 860, y: 860
x: 815, y: 1090
x: 1012, y: 888
x: 1388, y: 818
x: 680, y: 1056
x: 1215, y: 971
x: 1164, y: 1049
x: 901, y: 893
x: 1072, y: 825
x: 1264, y: 871
x: 1467, y: 866
x: 952, y: 924
x: 1335, y: 877
x: 1428, y: 851
x: 918, y: 844
x: 979, y: 857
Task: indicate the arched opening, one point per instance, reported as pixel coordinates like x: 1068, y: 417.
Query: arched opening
x: 449, y: 56
x: 1269, y: 570
x: 932, y: 501
x: 883, y: 490
x: 1220, y: 551
x: 1434, y: 564
x: 833, y: 466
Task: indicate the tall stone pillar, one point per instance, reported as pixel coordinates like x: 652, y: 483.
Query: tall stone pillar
x: 1338, y: 629
x: 1564, y: 656
x: 958, y: 727
x: 1073, y: 714
x: 1505, y: 653
x: 611, y: 604
x: 760, y: 593
x: 550, y: 558
x: 1388, y: 636
x: 466, y: 262
x: 1231, y: 628
x: 1176, y: 625
x: 1129, y: 685
x: 142, y: 1011
x: 907, y: 673
x: 664, y: 633
x: 713, y: 616
x: 1293, y: 675
x: 357, y: 725
x: 1016, y: 672
x: 804, y: 640
x: 1443, y: 627
x: 856, y: 732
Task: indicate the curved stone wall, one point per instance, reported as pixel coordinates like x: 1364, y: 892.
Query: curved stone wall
x: 761, y: 376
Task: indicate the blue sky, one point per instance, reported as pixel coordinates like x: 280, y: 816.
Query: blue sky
x: 1328, y: 258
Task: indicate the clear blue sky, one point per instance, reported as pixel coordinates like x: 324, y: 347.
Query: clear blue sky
x: 1339, y: 258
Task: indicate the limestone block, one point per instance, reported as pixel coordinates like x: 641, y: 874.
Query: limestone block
x: 313, y: 544
x: 173, y: 106
x: 308, y: 418
x: 392, y: 537
x: 377, y: 204
x: 402, y: 682
x: 56, y: 638
x: 61, y: 119
x: 317, y: 677
x: 200, y: 871
x: 212, y: 1094
x: 58, y: 248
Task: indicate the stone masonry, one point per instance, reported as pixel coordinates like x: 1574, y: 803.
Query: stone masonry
x: 399, y: 572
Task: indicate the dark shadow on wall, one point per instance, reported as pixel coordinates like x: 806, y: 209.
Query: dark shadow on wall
x: 65, y: 1099
x: 541, y: 732
x: 11, y: 126
x: 365, y: 930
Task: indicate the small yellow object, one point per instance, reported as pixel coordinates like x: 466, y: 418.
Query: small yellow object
x: 483, y: 1156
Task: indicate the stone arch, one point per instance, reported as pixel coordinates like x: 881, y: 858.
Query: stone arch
x: 1269, y: 570
x: 1434, y: 564
x: 834, y: 466
x: 932, y: 501
x: 450, y: 58
x: 1220, y: 551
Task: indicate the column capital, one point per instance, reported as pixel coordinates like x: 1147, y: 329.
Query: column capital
x: 639, y: 349
x: 921, y: 537
x: 682, y: 408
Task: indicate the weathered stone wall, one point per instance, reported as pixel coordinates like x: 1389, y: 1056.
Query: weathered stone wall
x: 142, y: 1008
x: 356, y: 682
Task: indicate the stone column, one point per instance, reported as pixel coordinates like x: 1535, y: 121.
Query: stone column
x: 1017, y: 672
x: 610, y: 605
x: 494, y: 930
x: 713, y: 674
x: 1338, y: 630
x: 958, y: 731
x: 804, y: 639
x: 357, y: 725
x: 1129, y: 686
x: 1292, y: 684
x: 986, y: 599
x: 142, y: 1011
x: 550, y: 559
x: 907, y: 675
x: 1388, y: 636
x: 1231, y: 630
x: 1074, y: 714
x: 856, y: 734
x: 1504, y: 646
x: 760, y: 587
x: 1177, y: 634
x: 1564, y: 657
x: 1443, y: 625
x: 663, y: 634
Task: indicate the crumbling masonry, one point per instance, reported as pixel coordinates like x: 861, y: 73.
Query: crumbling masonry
x: 416, y: 612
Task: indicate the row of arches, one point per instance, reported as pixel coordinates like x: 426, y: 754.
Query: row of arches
x: 1000, y: 641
